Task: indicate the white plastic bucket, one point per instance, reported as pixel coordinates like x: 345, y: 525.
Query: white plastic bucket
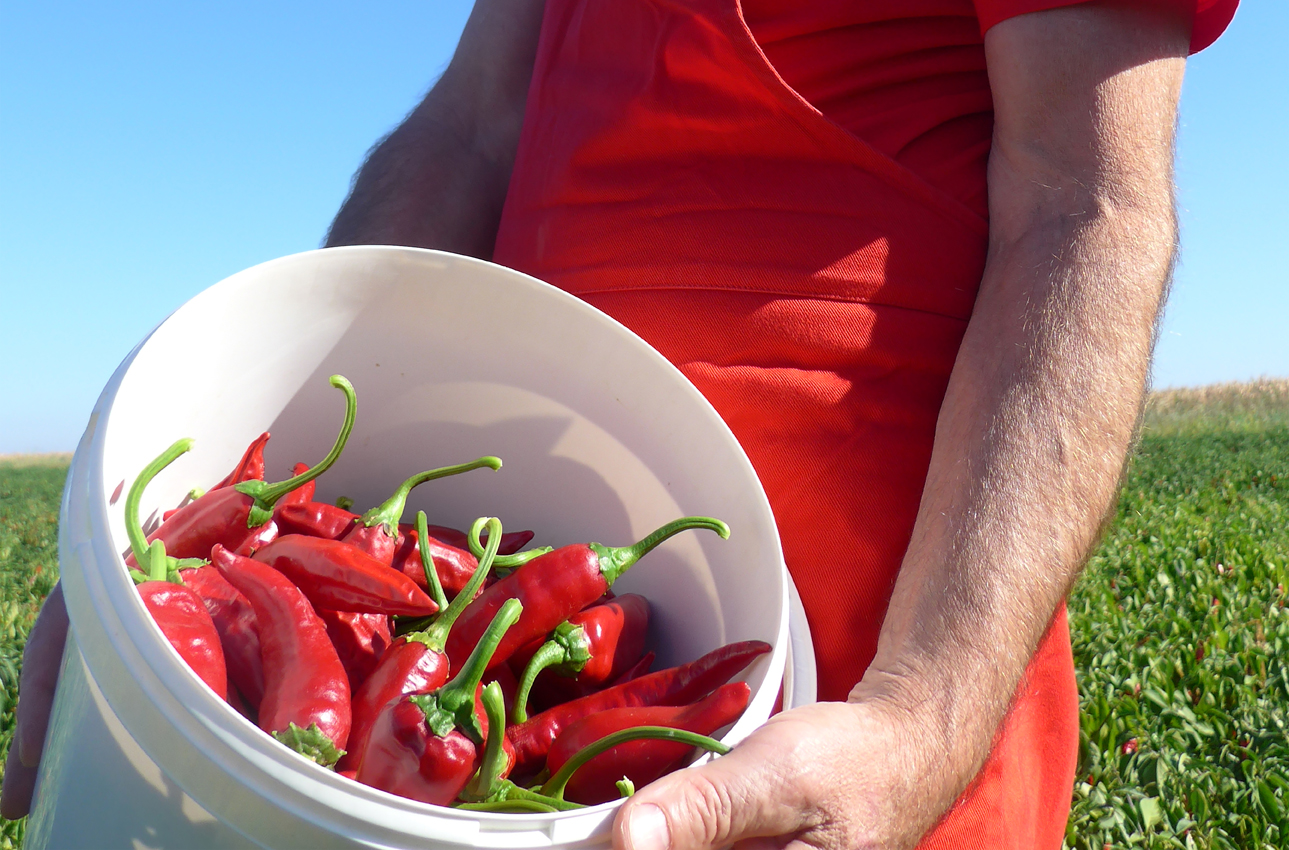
x: 452, y: 358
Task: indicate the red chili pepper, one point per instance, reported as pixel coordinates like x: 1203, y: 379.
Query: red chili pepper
x: 234, y: 619
x: 505, y: 679
x: 589, y: 649
x: 316, y: 519
x: 360, y: 641
x: 555, y: 586
x: 511, y: 541
x: 183, y: 619
x: 335, y: 575
x: 453, y: 564
x: 640, y: 761
x: 675, y: 686
x: 414, y: 664
x: 301, y: 495
x: 306, y: 691
x: 427, y: 746
x: 250, y: 467
x: 176, y: 609
x: 376, y: 531
x: 240, y: 516
x: 637, y: 670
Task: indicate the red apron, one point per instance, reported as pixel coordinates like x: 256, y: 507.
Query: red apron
x: 812, y: 289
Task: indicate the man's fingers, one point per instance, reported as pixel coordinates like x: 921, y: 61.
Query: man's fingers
x: 728, y: 800
x: 19, y: 781
x: 40, y: 662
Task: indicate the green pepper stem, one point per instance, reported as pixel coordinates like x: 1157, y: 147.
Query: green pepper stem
x: 452, y: 706
x: 504, y: 562
x: 481, y: 785
x: 614, y: 561
x: 266, y: 495
x: 427, y: 562
x: 389, y: 512
x: 554, y: 786
x: 550, y: 653
x: 435, y: 636
x: 133, y: 526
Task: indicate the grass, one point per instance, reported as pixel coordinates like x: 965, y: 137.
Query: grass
x: 1180, y: 624
x: 30, y: 489
x: 1180, y: 628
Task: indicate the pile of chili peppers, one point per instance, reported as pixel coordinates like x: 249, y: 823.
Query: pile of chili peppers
x: 447, y: 666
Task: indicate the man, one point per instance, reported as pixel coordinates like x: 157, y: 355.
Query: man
x: 917, y: 270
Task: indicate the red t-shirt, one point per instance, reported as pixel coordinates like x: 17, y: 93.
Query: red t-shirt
x: 908, y: 76
x: 812, y: 277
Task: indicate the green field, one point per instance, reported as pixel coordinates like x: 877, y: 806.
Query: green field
x: 1179, y: 626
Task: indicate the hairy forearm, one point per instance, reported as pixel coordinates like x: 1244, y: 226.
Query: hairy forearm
x: 1038, y: 416
x: 439, y: 180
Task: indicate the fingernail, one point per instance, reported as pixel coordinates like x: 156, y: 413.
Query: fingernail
x: 647, y: 828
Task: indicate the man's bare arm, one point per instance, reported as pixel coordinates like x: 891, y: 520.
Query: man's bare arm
x: 439, y: 179
x: 1030, y: 445
x: 1046, y: 392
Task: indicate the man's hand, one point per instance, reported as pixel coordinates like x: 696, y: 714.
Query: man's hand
x: 832, y: 774
x: 40, y: 662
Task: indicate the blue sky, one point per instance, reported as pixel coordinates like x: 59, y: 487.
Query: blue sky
x: 148, y: 150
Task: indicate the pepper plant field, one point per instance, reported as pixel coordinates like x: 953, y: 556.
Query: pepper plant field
x: 1179, y: 623
x: 1181, y: 629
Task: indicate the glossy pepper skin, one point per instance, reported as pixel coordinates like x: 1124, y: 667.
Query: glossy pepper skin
x: 239, y: 517
x: 360, y: 641
x: 178, y: 612
x: 335, y: 575
x: 377, y: 531
x: 234, y: 620
x: 674, y: 686
x: 300, y: 495
x: 428, y: 746
x: 183, y: 619
x: 640, y: 761
x: 250, y: 467
x: 590, y: 649
x: 454, y: 564
x: 305, y: 685
x: 413, y: 664
x: 555, y: 586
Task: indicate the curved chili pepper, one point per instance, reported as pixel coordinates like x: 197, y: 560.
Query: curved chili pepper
x: 301, y: 495
x: 674, y: 686
x: 377, y: 532
x: 240, y: 516
x: 453, y: 564
x: 335, y: 575
x: 183, y: 619
x: 427, y: 746
x: 636, y: 670
x: 511, y: 541
x: 557, y: 585
x: 316, y: 519
x: 306, y: 691
x: 414, y: 663
x: 234, y: 619
x: 177, y: 610
x: 590, y: 648
x: 250, y: 467
x: 640, y: 761
x: 360, y: 641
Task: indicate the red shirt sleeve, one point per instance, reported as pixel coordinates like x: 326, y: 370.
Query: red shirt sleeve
x: 1211, y: 16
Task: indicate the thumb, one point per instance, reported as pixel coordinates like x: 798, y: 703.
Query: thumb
x: 740, y: 795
